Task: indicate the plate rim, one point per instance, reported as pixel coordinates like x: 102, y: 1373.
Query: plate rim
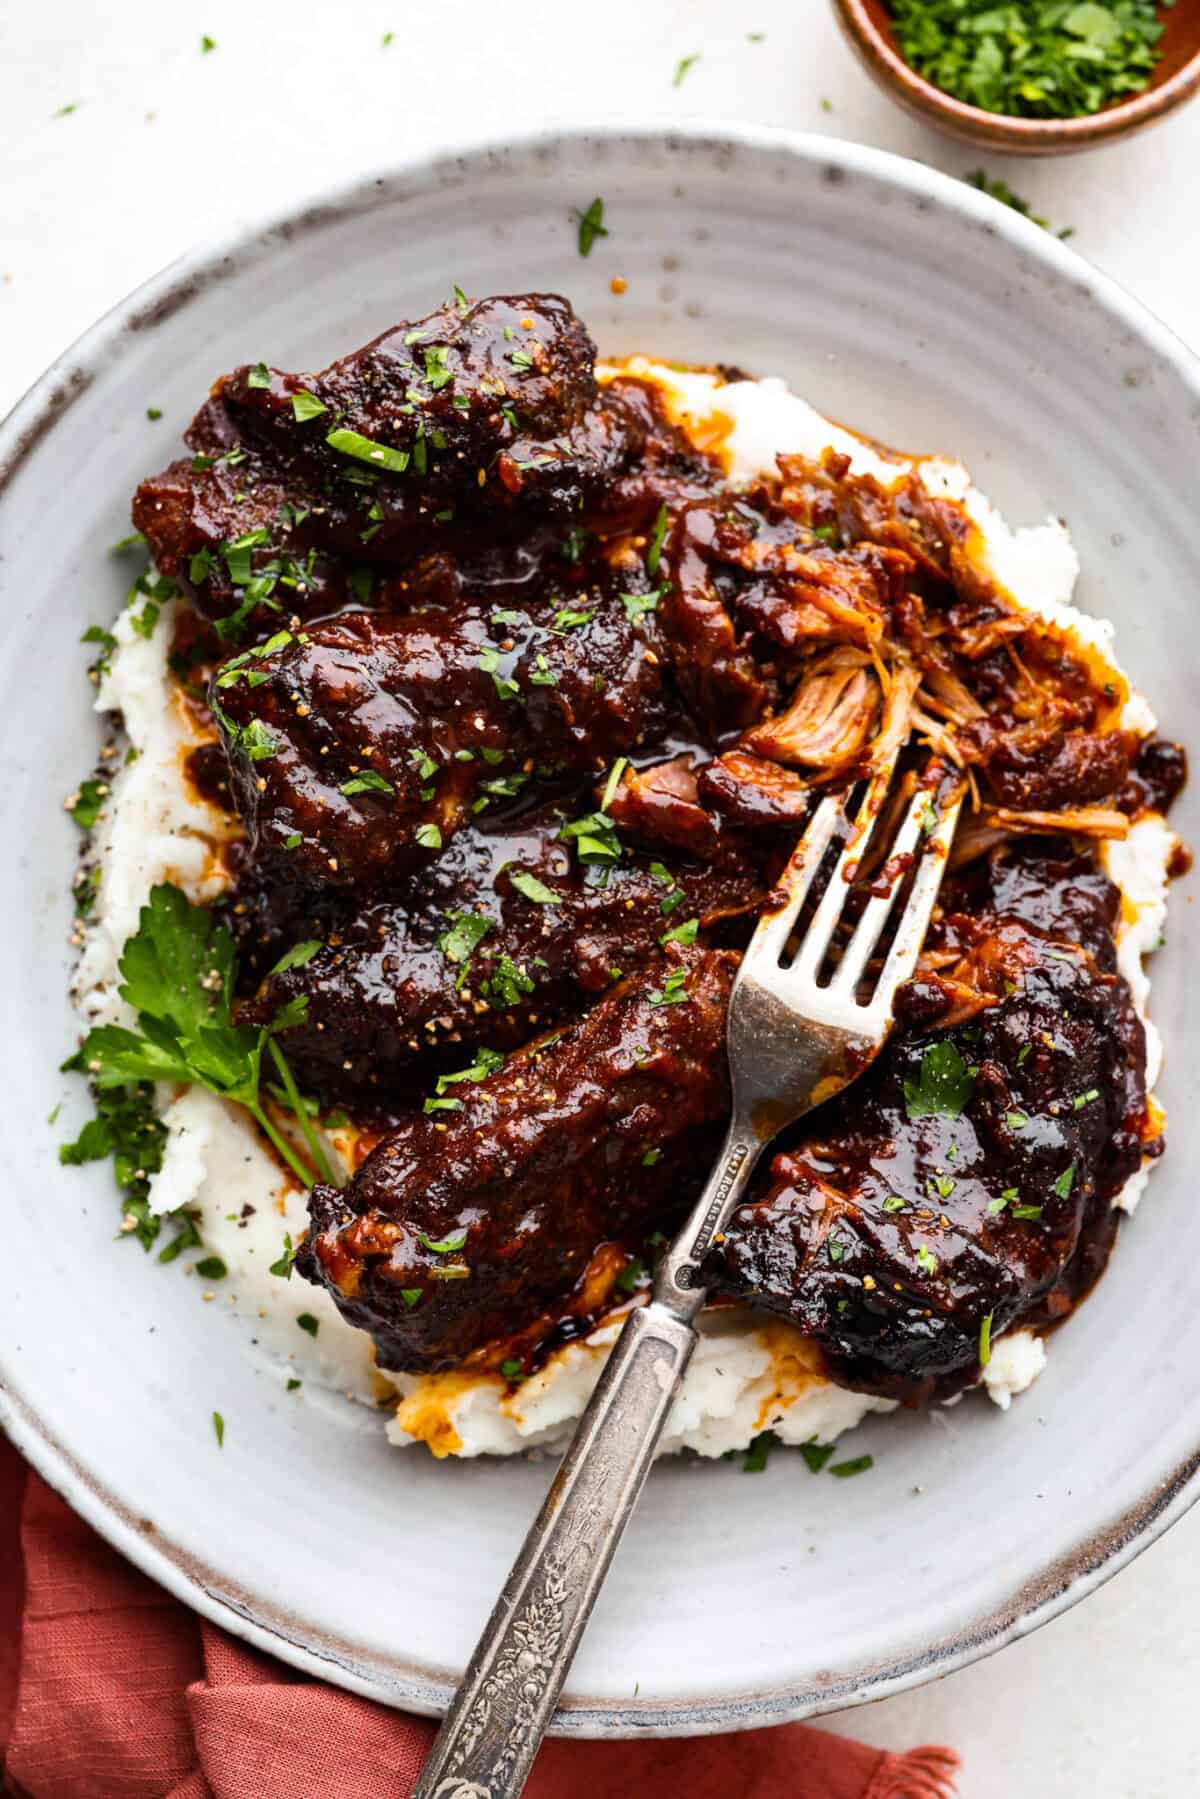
x: 1068, y: 1577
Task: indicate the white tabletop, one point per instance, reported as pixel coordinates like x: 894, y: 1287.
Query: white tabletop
x: 168, y: 144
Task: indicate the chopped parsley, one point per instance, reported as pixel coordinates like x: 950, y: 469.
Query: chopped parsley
x: 211, y: 1268
x: 682, y: 933
x: 462, y: 938
x: 486, y: 1062
x: 927, y: 1262
x: 219, y: 1428
x: 365, y: 449
x: 816, y: 1455
x: 985, y: 1340
x: 1042, y: 59
x: 894, y: 1203
x: 682, y: 66
x: 637, y: 604
x: 657, y: 539
x: 591, y: 225
x: 1000, y: 190
x: 633, y: 1271
x: 944, y: 1086
x: 857, y: 1465
x: 505, y: 985
x: 306, y: 406
x: 127, y: 1128
x: 1064, y: 1183
x: 86, y: 806
x: 366, y: 781
x: 489, y: 662
x: 429, y: 836
x: 259, y: 376
x: 758, y: 1452
x: 673, y: 991
x: 595, y: 838
x: 299, y: 956
x: 447, y: 1247
x: 308, y: 1323
x: 531, y: 888
x: 282, y: 1266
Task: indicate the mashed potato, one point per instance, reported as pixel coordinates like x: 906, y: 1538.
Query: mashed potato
x: 747, y: 1375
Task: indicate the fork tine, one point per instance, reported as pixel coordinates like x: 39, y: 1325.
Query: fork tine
x: 914, y: 920
x: 773, y: 928
x: 816, y: 938
x: 875, y: 915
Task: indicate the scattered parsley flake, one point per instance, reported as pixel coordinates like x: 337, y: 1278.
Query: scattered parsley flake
x: 365, y: 449
x: 591, y: 225
x: 682, y: 66
x: 816, y: 1455
x: 758, y: 1452
x: 306, y: 406
x: 299, y: 956
x: 673, y: 991
x: 463, y: 936
x: 682, y: 933
x: 366, y: 781
x: 859, y: 1464
x: 219, y: 1428
x: 985, y: 1340
x: 447, y: 1247
x: 657, y: 538
x: 308, y: 1323
x: 532, y: 889
x: 282, y: 1266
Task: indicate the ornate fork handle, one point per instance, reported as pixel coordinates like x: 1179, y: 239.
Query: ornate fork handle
x: 504, y: 1705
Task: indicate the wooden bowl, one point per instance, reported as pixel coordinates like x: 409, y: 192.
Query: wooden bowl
x: 867, y: 24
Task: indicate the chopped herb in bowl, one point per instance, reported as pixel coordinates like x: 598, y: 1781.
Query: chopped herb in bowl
x: 1036, y: 59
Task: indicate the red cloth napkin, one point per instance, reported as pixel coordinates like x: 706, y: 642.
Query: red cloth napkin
x: 110, y: 1689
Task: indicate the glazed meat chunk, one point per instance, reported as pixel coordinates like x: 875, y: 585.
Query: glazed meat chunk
x: 449, y: 1238
x: 303, y: 489
x: 966, y: 1182
x: 406, y: 990
x: 361, y: 746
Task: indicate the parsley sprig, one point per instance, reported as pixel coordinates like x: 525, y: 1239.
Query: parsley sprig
x: 178, y: 974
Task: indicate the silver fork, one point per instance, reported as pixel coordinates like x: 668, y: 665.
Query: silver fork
x: 792, y: 1044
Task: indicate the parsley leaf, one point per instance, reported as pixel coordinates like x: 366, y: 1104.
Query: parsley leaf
x: 306, y: 406
x: 944, y: 1086
x: 365, y: 449
x: 591, y: 225
x: 532, y: 889
x: 178, y: 976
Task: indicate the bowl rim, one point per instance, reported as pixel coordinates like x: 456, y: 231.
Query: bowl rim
x: 1071, y: 1575
x: 1009, y: 131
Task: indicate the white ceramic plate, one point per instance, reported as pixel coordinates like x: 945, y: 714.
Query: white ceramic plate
x: 896, y: 299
